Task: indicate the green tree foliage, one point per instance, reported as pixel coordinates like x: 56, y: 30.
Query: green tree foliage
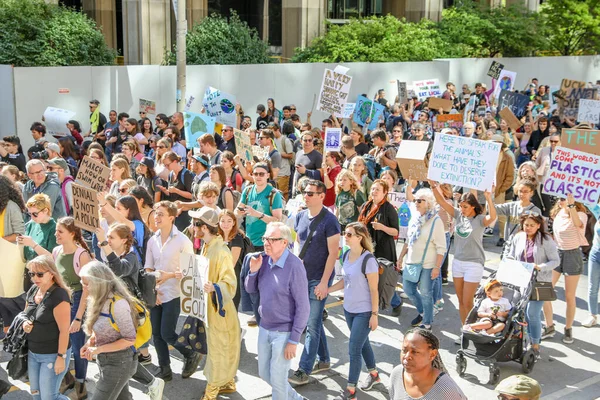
x: 38, y: 34
x: 217, y: 40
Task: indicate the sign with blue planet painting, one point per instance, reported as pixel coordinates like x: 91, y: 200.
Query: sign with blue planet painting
x: 220, y: 106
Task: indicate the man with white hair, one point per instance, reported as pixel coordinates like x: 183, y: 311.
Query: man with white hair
x: 41, y: 182
x: 469, y: 129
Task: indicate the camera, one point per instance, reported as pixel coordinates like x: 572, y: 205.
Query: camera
x: 40, y: 155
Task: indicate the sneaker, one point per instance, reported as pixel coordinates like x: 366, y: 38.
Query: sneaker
x: 252, y: 321
x: 347, y: 394
x: 321, y: 366
x: 371, y: 381
x: 548, y: 332
x: 417, y: 321
x: 145, y: 360
x: 536, y: 354
x: 487, y: 232
x: 191, y: 365
x: 165, y: 373
x: 425, y: 326
x: 298, y: 378
x: 568, y: 336
x: 500, y: 242
x: 435, y: 311
x: 155, y: 390
x: 439, y: 305
x: 591, y: 321
x: 444, y: 281
x: 397, y: 311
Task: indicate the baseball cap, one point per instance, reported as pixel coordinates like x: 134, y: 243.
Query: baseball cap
x: 260, y: 108
x: 201, y: 159
x: 54, y: 147
x: 491, y: 283
x: 60, y: 162
x: 497, y: 138
x: 206, y: 215
x: 148, y: 162
x: 520, y: 385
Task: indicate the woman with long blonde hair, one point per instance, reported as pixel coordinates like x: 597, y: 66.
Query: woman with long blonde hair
x: 349, y: 198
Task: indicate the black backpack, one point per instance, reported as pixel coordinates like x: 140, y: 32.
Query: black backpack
x: 388, y: 278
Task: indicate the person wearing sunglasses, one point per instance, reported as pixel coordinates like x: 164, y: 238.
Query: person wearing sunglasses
x: 42, y: 182
x: 40, y: 230
x: 162, y: 146
x: 308, y: 160
x: 119, y: 171
x: 542, y: 164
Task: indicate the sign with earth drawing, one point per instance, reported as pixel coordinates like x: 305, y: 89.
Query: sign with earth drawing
x: 364, y: 108
x: 195, y: 126
x: 220, y: 105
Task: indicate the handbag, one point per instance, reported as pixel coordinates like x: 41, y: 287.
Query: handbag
x: 542, y: 291
x: 412, y: 272
x: 17, y: 366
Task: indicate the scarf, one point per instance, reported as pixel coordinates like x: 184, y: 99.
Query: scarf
x: 414, y: 230
x: 369, y: 210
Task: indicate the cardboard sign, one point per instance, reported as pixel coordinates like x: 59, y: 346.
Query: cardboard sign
x: 197, y: 125
x: 13, y: 266
x: 412, y: 159
x: 366, y: 107
x: 584, y: 140
x: 516, y: 102
x: 85, y: 208
x: 574, y: 172
x: 448, y: 121
x: 435, y: 103
x: 348, y: 110
x: 495, y: 69
x: 220, y: 106
x: 402, y: 92
x: 427, y: 88
x: 242, y: 144
x: 148, y: 106
x: 506, y: 81
x: 570, y: 93
x: 589, y: 111
x: 56, y: 120
x: 333, y: 139
x: 464, y: 161
x: 334, y: 92
x: 93, y: 174
x: 194, y: 272
x: 510, y: 118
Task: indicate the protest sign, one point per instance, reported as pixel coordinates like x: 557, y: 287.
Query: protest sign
x: 56, y: 120
x: 435, y: 103
x: 574, y: 172
x: 333, y: 139
x: 85, y: 208
x: 260, y: 153
x: 195, y: 126
x: 514, y: 272
x: 589, y: 111
x: 481, y: 111
x: 464, y: 161
x: 148, y: 106
x: 402, y: 206
x: 364, y: 108
x: 13, y: 266
x: 188, y: 105
x: 506, y: 81
x: 242, y: 144
x: 595, y: 210
x: 585, y: 140
x: 448, y: 121
x: 469, y: 108
x: 194, y: 273
x: 427, y: 88
x: 516, y: 102
x: 334, y: 92
x: 412, y: 159
x: 348, y: 110
x: 220, y: 106
x: 402, y: 92
x: 512, y: 121
x: 495, y: 69
x: 93, y: 174
x: 570, y: 93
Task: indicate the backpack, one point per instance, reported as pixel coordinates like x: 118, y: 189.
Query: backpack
x: 236, y: 196
x: 76, y: 265
x: 144, y: 327
x: 272, y: 194
x: 388, y: 278
x: 371, y: 166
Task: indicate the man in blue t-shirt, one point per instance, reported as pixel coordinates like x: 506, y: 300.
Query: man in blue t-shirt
x: 323, y: 246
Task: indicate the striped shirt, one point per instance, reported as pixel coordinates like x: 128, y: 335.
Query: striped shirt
x: 444, y: 388
x: 566, y: 234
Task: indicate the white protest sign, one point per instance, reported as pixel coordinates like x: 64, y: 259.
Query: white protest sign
x: 333, y: 139
x: 506, y: 81
x: 194, y: 272
x: 348, y: 110
x: 589, y: 111
x: 514, y: 272
x: 260, y: 153
x: 334, y: 92
x: 220, y: 105
x: 56, y: 121
x: 188, y: 105
x: 463, y: 161
x: 427, y: 88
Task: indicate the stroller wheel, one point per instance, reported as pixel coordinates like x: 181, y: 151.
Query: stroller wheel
x: 494, y: 375
x: 461, y: 365
x: 528, y: 361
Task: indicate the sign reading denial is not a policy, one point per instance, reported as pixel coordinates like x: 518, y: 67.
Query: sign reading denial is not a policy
x: 85, y: 208
x: 93, y: 174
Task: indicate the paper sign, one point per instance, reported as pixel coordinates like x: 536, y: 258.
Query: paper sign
x: 574, y: 172
x: 333, y: 139
x: 242, y: 144
x: 402, y: 206
x: 506, y: 81
x: 13, y: 266
x: 585, y: 140
x: 56, y: 121
x: 448, y: 121
x: 220, y: 106
x: 93, y: 174
x: 516, y: 102
x: 364, y: 107
x: 427, y: 88
x: 512, y: 121
x: 435, y: 103
x: 495, y: 69
x: 148, y: 106
x: 402, y: 92
x: 260, y: 153
x: 464, y: 161
x: 334, y: 92
x: 341, y: 70
x: 589, y: 111
x: 514, y: 272
x: 188, y: 105
x: 194, y: 272
x: 197, y: 125
x: 348, y: 110
x: 596, y: 211
x: 481, y: 111
x: 85, y: 208
x: 412, y: 159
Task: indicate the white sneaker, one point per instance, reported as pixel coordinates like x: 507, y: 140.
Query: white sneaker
x: 591, y: 321
x: 155, y: 390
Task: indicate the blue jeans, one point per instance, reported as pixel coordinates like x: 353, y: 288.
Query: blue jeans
x: 164, y: 322
x: 437, y: 282
x: 534, y: 321
x: 78, y: 340
x: 359, y: 346
x: 422, y: 299
x: 593, y: 285
x: 272, y: 365
x: 316, y: 341
x: 43, y: 382
x: 396, y: 300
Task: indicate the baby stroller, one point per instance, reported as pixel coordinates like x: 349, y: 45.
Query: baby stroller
x: 512, y: 344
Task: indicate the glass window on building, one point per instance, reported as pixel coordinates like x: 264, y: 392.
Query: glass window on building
x: 346, y: 9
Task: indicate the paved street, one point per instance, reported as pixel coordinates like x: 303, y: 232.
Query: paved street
x: 565, y: 372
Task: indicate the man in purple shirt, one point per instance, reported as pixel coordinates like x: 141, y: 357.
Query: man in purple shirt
x: 280, y: 278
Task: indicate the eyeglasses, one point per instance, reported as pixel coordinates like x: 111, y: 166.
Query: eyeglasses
x: 271, y: 240
x: 38, y: 274
x: 554, y: 141
x: 197, y: 224
x: 260, y: 174
x: 160, y: 146
x: 419, y: 201
x: 532, y: 213
x: 123, y: 190
x: 311, y: 194
x: 307, y: 140
x: 292, y: 109
x: 36, y: 214
x: 349, y: 234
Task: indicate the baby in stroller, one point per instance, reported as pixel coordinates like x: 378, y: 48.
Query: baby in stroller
x: 492, y: 312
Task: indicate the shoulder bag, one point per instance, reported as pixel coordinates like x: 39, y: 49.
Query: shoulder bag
x: 412, y: 272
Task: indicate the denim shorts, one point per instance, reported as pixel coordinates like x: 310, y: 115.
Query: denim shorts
x: 571, y: 262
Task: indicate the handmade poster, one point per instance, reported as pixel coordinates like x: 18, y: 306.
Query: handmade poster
x: 242, y: 144
x: 589, y: 111
x: 495, y: 69
x: 93, y: 174
x: 506, y: 81
x: 260, y: 153
x: 514, y: 272
x: 435, y: 103
x: 595, y: 210
x: 402, y: 92
x: 516, y: 102
x: 334, y: 91
x: 481, y: 111
x: 448, y: 121
x: 85, y: 208
x: 464, y: 161
x: 427, y: 88
x: 510, y: 118
x: 574, y: 172
x: 333, y: 139
x: 364, y: 108
x: 194, y: 273
x: 469, y: 108
x: 585, y: 140
x: 197, y: 125
x: 412, y: 159
x: 348, y: 110
x: 403, y: 207
x: 13, y: 266
x: 220, y: 106
x: 188, y: 105
x: 56, y: 120
x: 569, y: 95
x: 148, y: 106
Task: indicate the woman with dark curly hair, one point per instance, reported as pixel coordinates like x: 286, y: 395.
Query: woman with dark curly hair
x: 12, y: 207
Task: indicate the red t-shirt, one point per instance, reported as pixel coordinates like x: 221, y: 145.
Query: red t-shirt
x: 330, y: 194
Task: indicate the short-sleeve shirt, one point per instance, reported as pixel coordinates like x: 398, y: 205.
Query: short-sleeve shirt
x: 183, y: 181
x: 256, y: 228
x: 357, y: 295
x: 43, y: 339
x: 444, y: 388
x: 275, y: 157
x: 18, y: 160
x: 348, y: 206
x: 121, y: 313
x: 488, y: 304
x: 384, y: 244
x: 468, y: 238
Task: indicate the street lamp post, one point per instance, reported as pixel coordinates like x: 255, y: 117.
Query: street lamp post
x: 181, y: 53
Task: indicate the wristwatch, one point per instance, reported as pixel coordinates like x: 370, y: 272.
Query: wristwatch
x: 262, y: 216
x: 105, y: 243
x: 62, y: 355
